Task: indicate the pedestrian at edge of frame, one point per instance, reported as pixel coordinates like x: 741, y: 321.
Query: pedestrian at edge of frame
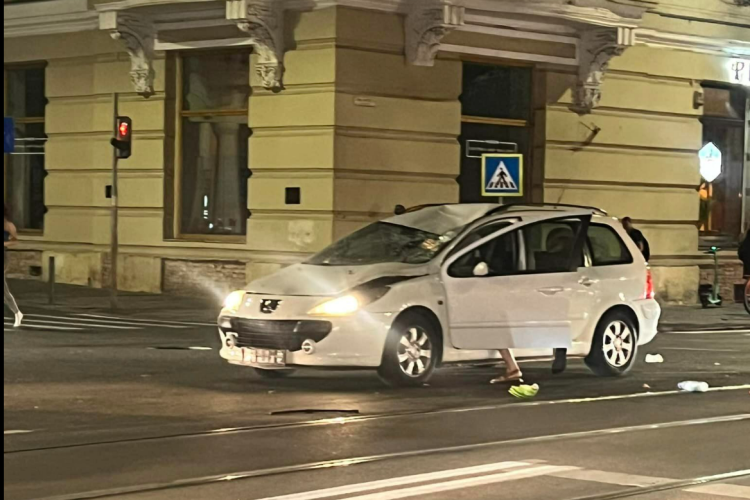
x: 10, y: 237
x: 637, y: 237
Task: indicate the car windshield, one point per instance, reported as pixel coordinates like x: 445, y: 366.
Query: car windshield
x: 384, y: 242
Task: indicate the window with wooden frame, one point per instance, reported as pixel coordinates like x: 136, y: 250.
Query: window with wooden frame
x: 722, y: 200
x: 212, y: 144
x: 25, y: 102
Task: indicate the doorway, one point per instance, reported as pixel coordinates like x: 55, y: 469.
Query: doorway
x: 496, y: 119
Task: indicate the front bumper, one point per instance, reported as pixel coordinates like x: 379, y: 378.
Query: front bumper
x: 351, y: 342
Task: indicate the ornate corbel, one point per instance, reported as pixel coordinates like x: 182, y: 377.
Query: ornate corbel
x: 427, y: 23
x: 263, y: 21
x: 137, y: 34
x: 597, y: 48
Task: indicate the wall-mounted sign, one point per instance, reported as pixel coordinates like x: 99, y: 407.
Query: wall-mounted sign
x: 710, y: 159
x: 739, y: 71
x: 477, y: 148
x: 502, y: 175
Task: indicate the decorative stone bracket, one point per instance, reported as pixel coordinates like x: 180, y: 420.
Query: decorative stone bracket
x: 427, y: 23
x: 138, y: 35
x: 263, y: 21
x: 597, y: 48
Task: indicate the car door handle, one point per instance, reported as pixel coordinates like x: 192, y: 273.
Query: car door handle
x: 588, y: 282
x: 551, y: 290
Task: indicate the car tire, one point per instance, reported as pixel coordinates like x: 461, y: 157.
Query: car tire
x: 412, y: 351
x: 614, y: 348
x: 273, y: 374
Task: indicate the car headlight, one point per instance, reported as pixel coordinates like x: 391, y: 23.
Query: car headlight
x: 234, y: 301
x: 341, y: 306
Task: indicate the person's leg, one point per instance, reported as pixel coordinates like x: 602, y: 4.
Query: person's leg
x: 512, y: 370
x: 10, y: 301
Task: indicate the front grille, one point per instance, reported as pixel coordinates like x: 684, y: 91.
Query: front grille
x: 284, y: 334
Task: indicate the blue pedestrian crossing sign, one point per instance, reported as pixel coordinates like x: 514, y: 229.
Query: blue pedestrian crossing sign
x: 502, y: 175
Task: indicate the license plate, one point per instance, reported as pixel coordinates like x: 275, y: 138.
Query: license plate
x: 268, y: 357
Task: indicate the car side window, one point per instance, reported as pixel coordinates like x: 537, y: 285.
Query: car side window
x: 500, y: 254
x: 606, y: 246
x: 549, y: 246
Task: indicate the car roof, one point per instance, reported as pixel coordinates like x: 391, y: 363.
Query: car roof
x: 439, y: 219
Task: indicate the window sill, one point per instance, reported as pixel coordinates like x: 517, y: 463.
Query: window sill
x: 210, y: 238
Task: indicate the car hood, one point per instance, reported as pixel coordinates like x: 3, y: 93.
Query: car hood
x: 308, y: 280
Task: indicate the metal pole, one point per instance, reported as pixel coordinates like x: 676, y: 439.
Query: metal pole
x: 115, y: 240
x: 51, y: 280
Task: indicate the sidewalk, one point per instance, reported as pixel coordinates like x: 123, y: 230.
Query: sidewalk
x: 33, y: 294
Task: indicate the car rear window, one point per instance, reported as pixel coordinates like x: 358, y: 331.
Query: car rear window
x: 607, y: 248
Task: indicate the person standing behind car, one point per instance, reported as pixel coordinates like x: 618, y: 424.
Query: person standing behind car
x: 637, y: 237
x: 744, y: 253
x: 9, y: 238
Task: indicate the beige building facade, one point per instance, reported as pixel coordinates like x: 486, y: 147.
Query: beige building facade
x: 266, y: 129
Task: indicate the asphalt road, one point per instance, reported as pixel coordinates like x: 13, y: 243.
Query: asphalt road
x: 105, y: 407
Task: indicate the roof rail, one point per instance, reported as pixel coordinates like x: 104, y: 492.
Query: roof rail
x: 510, y: 206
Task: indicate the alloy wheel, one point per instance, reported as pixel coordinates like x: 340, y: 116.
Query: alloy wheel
x: 414, y: 352
x: 619, y: 344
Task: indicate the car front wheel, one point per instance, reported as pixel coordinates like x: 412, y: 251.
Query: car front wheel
x: 411, y: 351
x: 615, y: 345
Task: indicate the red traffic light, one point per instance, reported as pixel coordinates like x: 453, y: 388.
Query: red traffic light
x: 123, y: 142
x: 124, y: 129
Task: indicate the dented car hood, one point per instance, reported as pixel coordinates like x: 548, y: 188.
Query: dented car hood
x: 309, y: 280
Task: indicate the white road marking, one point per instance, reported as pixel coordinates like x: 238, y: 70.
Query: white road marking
x: 723, y: 490
x: 106, y: 322
x: 704, y: 332
x: 16, y: 432
x: 695, y: 349
x: 28, y: 319
x: 399, y: 481
x: 598, y: 476
x: 140, y: 320
x: 461, y: 484
x: 40, y: 327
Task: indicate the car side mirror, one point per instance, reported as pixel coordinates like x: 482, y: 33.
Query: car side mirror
x: 481, y: 269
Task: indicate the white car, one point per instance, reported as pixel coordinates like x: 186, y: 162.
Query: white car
x: 450, y: 283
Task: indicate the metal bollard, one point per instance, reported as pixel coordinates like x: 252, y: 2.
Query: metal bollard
x: 51, y: 281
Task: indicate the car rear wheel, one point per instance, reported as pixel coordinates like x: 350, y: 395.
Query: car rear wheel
x: 411, y: 352
x: 273, y: 374
x: 615, y: 345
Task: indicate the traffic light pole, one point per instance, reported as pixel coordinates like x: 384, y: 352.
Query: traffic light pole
x: 114, y: 250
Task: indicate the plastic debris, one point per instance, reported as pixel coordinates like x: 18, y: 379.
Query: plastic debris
x: 524, y: 391
x: 654, y: 358
x: 693, y: 386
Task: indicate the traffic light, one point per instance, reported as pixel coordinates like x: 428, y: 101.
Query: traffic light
x: 123, y: 142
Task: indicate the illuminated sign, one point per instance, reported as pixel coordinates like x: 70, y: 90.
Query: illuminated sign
x: 710, y: 157
x: 739, y: 71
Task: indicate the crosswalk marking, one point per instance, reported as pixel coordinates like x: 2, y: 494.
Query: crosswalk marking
x: 599, y: 476
x: 723, y: 490
x: 81, y: 322
x: 41, y: 327
x: 425, y: 485
x: 156, y: 321
x: 461, y: 484
x: 65, y: 321
x: 105, y: 323
x: 399, y: 481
